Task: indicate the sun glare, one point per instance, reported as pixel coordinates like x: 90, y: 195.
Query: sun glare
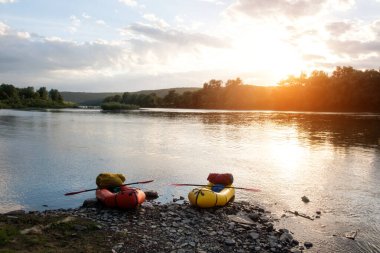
x: 268, y: 54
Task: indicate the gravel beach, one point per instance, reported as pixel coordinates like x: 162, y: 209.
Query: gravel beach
x: 154, y: 227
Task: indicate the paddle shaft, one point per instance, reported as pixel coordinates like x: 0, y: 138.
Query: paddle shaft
x: 73, y: 193
x: 202, y: 185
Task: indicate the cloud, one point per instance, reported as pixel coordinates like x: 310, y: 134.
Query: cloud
x: 6, y: 1
x: 3, y: 28
x: 293, y: 9
x: 313, y: 57
x: 129, y: 2
x: 338, y: 28
x: 272, y: 8
x: 155, y: 20
x: 164, y: 50
x: 85, y: 15
x: 75, y: 23
x: 151, y: 53
x: 217, y: 2
x: 354, y: 48
x: 100, y: 22
x: 355, y: 39
x: 173, y: 36
x: 376, y: 27
x: 27, y: 53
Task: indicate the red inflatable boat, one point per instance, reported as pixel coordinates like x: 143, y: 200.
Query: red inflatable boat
x: 126, y: 198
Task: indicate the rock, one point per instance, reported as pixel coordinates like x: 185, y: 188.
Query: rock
x: 254, y: 216
x: 230, y: 242
x: 318, y: 212
x: 35, y: 230
x: 286, y: 237
x: 151, y: 194
x: 305, y: 199
x: 147, y: 205
x: 79, y: 227
x: 254, y: 235
x: 351, y: 235
x: 269, y: 228
x: 90, y: 203
x: 240, y: 218
x: 15, y: 212
x: 308, y: 245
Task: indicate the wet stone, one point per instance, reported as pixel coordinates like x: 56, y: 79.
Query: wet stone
x: 230, y: 242
x: 308, y: 244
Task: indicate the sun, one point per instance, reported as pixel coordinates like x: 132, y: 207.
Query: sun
x: 268, y: 53
x: 261, y: 49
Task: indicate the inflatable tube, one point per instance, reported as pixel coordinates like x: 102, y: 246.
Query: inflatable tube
x: 126, y: 198
x: 205, y: 197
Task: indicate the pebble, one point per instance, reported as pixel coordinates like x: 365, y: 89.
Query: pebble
x: 308, y: 245
x: 177, y: 228
x: 254, y: 236
x: 230, y: 242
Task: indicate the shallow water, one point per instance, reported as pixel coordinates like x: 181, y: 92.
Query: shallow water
x: 334, y: 159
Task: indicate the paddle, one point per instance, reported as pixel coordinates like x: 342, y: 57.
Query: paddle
x: 238, y: 188
x: 73, y: 193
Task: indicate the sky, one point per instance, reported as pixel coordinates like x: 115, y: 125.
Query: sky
x: 132, y: 45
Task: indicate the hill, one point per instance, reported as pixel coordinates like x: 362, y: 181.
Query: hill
x: 93, y: 99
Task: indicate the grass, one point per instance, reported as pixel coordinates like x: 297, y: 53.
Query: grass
x: 57, y: 234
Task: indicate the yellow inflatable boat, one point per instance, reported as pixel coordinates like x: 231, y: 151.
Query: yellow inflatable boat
x: 206, y: 197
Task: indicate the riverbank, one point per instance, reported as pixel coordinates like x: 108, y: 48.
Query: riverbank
x: 154, y: 227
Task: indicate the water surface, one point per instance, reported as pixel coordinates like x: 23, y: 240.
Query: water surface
x: 334, y: 159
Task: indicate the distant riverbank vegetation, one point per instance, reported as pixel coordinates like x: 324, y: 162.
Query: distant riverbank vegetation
x: 17, y: 98
x: 118, y: 106
x: 346, y: 89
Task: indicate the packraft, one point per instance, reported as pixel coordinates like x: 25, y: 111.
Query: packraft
x: 218, y: 192
x: 112, y: 193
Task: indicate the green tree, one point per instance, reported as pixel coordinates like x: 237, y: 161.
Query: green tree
x: 43, y: 93
x: 55, y: 96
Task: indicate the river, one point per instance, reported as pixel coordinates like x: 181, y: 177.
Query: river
x: 332, y: 158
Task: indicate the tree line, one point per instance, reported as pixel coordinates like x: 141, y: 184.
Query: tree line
x: 346, y: 89
x: 13, y: 97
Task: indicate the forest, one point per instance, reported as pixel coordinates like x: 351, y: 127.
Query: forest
x: 345, y: 90
x: 13, y: 97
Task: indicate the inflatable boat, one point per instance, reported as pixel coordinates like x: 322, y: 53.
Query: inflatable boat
x: 211, y: 195
x: 125, y: 198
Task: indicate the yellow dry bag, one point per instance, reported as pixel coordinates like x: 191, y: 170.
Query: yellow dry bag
x: 107, y: 180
